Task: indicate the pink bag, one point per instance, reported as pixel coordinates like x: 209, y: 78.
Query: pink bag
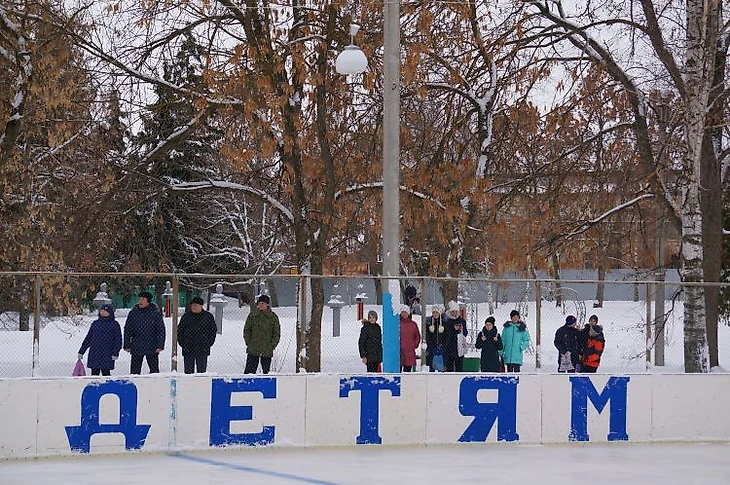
x: 79, y: 369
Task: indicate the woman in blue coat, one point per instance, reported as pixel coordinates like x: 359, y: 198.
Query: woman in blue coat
x: 104, y: 341
x: 515, y: 339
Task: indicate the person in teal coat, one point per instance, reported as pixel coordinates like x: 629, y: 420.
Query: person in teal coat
x: 515, y: 339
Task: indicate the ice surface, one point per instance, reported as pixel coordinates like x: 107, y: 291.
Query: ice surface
x: 505, y: 464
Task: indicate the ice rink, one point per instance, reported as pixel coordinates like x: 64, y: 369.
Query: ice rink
x: 616, y: 463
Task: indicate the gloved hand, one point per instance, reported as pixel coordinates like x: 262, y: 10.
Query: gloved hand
x: 81, y: 356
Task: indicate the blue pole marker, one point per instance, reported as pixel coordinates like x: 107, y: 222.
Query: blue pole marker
x: 391, y: 336
x: 504, y: 411
x: 79, y: 437
x: 369, y: 388
x: 222, y: 413
x: 615, y: 391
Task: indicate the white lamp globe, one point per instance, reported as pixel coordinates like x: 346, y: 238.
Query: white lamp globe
x: 351, y: 61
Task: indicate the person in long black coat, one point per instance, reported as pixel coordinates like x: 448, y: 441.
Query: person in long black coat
x: 144, y: 334
x: 196, y: 335
x: 434, y: 336
x: 490, y: 342
x: 370, y: 342
x: 104, y: 341
x: 567, y: 341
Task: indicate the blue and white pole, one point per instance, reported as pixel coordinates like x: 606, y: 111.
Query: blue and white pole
x: 391, y: 185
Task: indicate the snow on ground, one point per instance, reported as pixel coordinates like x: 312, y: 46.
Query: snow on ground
x: 595, y: 464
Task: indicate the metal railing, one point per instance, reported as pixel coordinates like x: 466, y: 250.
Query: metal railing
x: 44, y: 317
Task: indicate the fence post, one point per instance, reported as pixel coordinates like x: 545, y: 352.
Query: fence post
x: 538, y: 323
x: 648, y: 326
x: 36, y: 324
x: 175, y: 304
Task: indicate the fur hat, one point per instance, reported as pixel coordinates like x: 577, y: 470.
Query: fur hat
x: 404, y: 308
x: 514, y: 313
x: 196, y: 301
x: 373, y: 313
x: 571, y: 320
x: 264, y: 299
x: 147, y: 295
x: 108, y: 308
x: 453, y: 306
x: 437, y: 308
x: 595, y: 330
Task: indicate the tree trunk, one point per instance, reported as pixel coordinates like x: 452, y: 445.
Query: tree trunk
x: 702, y: 28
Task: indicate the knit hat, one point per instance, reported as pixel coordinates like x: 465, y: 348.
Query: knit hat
x: 570, y: 320
x: 437, y: 308
x: 489, y: 319
x: 264, y: 299
x: 373, y: 313
x: 404, y: 308
x: 108, y: 308
x: 513, y: 313
x: 593, y: 318
x: 196, y: 301
x: 453, y: 306
x: 146, y: 294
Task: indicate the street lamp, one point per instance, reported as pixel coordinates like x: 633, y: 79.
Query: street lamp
x: 391, y: 149
x: 352, y: 60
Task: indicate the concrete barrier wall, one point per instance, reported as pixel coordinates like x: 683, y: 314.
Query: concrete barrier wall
x: 47, y: 417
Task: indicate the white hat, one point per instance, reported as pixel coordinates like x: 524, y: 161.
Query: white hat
x: 404, y: 308
x: 437, y: 308
x: 453, y: 306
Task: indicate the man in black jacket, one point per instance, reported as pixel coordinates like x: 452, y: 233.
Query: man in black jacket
x: 196, y: 335
x: 567, y: 341
x: 144, y: 334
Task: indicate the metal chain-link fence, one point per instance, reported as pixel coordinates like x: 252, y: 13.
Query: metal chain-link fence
x: 44, y: 318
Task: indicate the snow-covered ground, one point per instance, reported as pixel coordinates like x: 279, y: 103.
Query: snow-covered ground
x: 597, y: 464
x: 623, y: 322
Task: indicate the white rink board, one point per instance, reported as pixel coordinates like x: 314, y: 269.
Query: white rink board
x: 18, y: 418
x: 48, y: 417
x: 335, y: 403
x: 691, y: 408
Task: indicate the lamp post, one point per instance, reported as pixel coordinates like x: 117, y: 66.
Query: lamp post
x: 391, y: 183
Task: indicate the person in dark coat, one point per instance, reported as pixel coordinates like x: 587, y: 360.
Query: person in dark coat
x: 370, y: 342
x: 144, y: 334
x: 490, y: 342
x: 453, y: 326
x: 434, y: 335
x: 261, y: 334
x: 196, y: 335
x: 104, y: 341
x: 567, y: 341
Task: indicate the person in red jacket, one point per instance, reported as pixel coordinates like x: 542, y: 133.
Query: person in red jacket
x: 410, y: 339
x: 594, y: 344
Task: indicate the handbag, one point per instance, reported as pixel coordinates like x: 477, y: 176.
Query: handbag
x: 79, y: 369
x: 438, y: 361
